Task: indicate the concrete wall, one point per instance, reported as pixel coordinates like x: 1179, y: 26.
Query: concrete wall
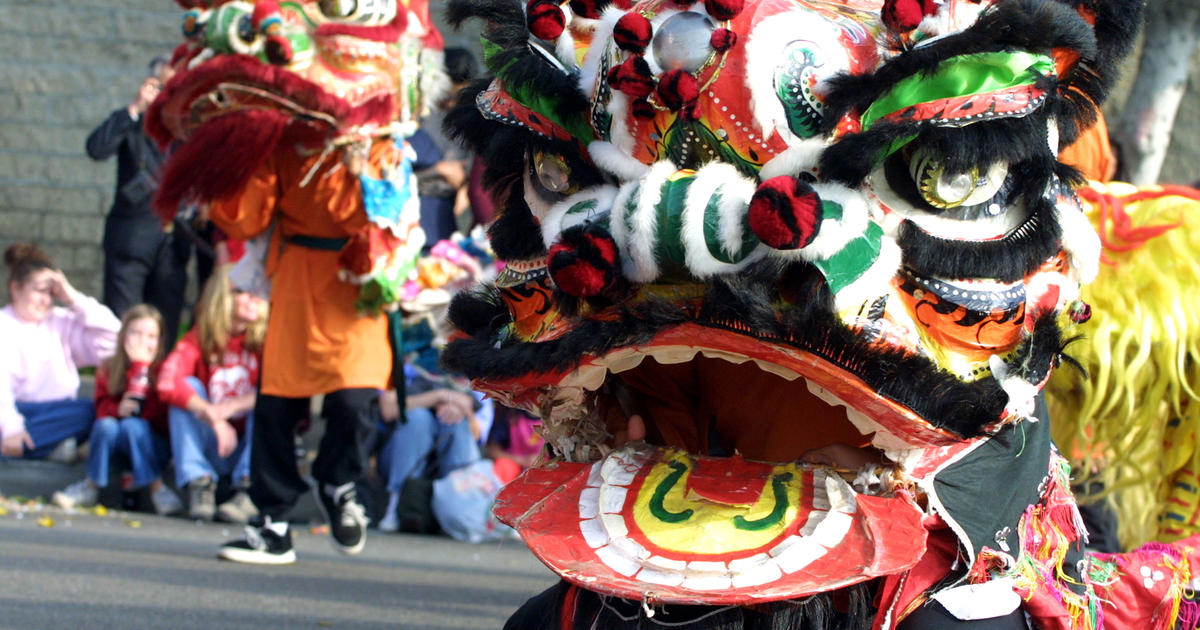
x: 64, y: 65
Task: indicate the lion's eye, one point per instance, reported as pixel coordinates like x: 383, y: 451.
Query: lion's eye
x: 338, y: 8
x: 553, y: 173
x: 946, y: 189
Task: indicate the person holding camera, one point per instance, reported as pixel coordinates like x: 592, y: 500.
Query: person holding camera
x: 142, y: 262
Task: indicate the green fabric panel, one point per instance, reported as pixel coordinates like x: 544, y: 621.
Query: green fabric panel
x: 793, y: 91
x: 963, y: 75
x: 848, y: 265
x: 712, y: 230
x: 831, y: 210
x: 669, y: 248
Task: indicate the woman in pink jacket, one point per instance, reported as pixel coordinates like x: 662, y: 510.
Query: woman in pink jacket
x: 44, y: 346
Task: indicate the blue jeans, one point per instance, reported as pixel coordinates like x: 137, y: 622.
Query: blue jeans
x: 194, y: 445
x: 148, y: 452
x: 49, y: 423
x: 422, y: 446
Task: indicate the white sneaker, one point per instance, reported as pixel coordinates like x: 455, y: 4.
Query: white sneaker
x: 165, y: 501
x: 77, y: 495
x: 67, y: 452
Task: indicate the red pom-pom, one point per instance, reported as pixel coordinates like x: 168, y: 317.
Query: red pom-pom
x: 902, y: 16
x: 724, y: 9
x: 677, y: 89
x: 278, y: 49
x: 623, y: 4
x: 545, y: 19
x: 722, y: 39
x: 632, y: 32
x: 1079, y: 311
x: 785, y: 213
x: 584, y: 262
x: 632, y: 77
x: 262, y: 10
x: 585, y: 8
x: 643, y: 109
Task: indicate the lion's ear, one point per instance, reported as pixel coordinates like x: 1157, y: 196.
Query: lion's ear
x: 1086, y: 79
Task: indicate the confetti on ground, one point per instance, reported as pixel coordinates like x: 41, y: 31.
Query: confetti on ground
x: 45, y: 521
x: 100, y: 510
x: 132, y: 522
x: 319, y: 530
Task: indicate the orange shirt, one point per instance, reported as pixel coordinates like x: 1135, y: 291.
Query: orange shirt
x: 317, y: 342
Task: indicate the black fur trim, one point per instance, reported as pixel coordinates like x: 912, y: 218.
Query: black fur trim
x: 1006, y: 259
x: 1013, y: 139
x: 852, y: 611
x: 749, y: 304
x: 479, y: 311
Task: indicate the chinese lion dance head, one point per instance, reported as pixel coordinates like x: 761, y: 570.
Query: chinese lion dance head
x: 253, y: 74
x: 784, y: 281
x: 333, y: 78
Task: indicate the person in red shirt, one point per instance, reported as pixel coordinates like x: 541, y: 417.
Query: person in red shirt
x: 209, y: 382
x: 131, y: 420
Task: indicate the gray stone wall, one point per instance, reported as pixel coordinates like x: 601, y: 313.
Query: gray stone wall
x: 65, y: 65
x: 1182, y: 165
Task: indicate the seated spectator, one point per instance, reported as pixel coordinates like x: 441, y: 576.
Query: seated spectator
x: 44, y: 347
x: 514, y: 436
x: 440, y: 434
x: 131, y: 420
x: 209, y: 382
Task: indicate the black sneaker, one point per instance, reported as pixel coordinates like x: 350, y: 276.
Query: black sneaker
x: 263, y: 544
x: 345, y: 515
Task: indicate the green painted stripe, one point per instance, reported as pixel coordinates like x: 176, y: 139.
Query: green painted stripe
x: 660, y: 511
x: 779, y: 488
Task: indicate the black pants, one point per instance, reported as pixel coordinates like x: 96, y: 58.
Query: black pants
x: 160, y: 280
x: 350, y: 419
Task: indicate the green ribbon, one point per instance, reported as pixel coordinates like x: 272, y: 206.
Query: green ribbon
x: 964, y: 75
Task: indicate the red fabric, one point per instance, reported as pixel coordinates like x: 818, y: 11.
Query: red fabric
x: 154, y: 410
x: 902, y: 591
x: 234, y: 373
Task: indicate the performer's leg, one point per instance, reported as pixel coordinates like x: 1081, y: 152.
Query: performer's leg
x: 275, y: 482
x: 350, y: 419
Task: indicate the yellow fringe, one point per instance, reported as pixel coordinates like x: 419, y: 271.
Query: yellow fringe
x: 1141, y: 350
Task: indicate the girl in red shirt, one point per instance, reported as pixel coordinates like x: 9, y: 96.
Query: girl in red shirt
x: 209, y: 382
x: 131, y: 420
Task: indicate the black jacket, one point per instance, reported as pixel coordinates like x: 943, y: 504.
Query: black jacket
x: 132, y: 228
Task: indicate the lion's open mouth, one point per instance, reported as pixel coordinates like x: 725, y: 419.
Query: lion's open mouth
x: 734, y: 493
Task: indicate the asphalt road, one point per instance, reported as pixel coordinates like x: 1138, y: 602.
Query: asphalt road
x: 88, y: 571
